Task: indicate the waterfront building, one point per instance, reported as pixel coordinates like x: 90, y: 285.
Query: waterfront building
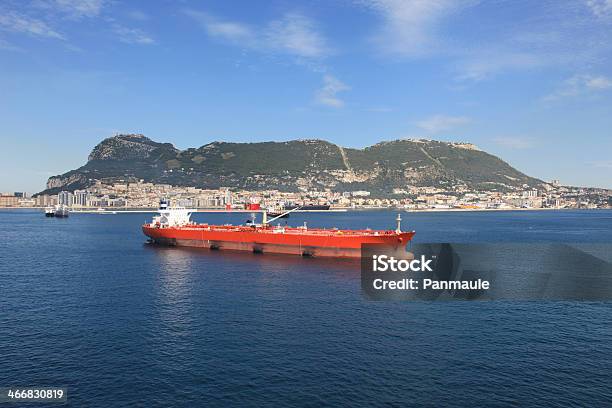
x: 45, y: 200
x: 26, y: 202
x: 9, y: 200
x: 80, y: 198
x: 530, y: 193
x: 64, y: 198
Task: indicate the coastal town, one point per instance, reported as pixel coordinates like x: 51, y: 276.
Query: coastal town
x: 142, y: 195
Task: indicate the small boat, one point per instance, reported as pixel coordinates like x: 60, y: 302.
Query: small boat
x: 103, y: 211
x: 61, y: 211
x: 277, y: 213
x: 49, y: 212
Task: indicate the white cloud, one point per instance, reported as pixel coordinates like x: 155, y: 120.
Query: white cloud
x: 419, y: 28
x: 293, y: 34
x: 551, y: 34
x: 22, y: 24
x: 55, y: 11
x: 327, y: 95
x: 79, y: 8
x: 483, y: 65
x: 513, y: 142
x: 235, y: 32
x: 541, y: 34
x: 442, y: 123
x: 5, y: 45
x: 137, y: 15
x: 297, y: 35
x: 579, y: 85
x: 411, y: 27
x: 229, y: 31
x: 379, y: 109
x: 132, y: 35
x: 599, y: 82
x: 605, y: 165
x: 601, y: 8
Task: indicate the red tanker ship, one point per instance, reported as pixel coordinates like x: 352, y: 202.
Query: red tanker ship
x: 173, y: 227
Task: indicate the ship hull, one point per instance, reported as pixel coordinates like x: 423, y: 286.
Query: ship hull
x: 310, y: 207
x: 278, y: 215
x: 332, y: 244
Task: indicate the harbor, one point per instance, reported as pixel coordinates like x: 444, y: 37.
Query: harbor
x: 113, y: 304
x: 199, y: 210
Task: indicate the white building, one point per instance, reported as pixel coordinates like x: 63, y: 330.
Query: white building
x: 64, y: 198
x: 80, y: 198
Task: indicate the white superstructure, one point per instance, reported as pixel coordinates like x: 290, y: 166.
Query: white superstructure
x: 171, y: 216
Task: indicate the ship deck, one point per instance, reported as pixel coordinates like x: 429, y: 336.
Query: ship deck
x: 287, y: 230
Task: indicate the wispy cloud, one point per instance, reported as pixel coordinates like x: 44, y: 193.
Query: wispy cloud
x: 132, y: 35
x: 297, y: 35
x: 442, y: 123
x: 483, y: 65
x: 5, y: 45
x: 234, y: 32
x: 579, y: 85
x: 293, y: 34
x: 601, y: 8
x: 420, y: 28
x: 514, y: 142
x: 328, y: 94
x: 379, y: 109
x: 549, y: 33
x: 137, y: 15
x: 56, y: 11
x: 410, y: 27
x: 79, y: 8
x: 598, y: 82
x: 14, y: 22
x: 602, y: 164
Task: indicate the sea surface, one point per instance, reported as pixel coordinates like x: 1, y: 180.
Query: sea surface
x: 86, y: 304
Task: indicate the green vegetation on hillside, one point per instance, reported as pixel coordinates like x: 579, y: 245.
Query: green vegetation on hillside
x: 289, y: 166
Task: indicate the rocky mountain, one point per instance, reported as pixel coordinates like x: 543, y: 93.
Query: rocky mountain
x: 296, y: 164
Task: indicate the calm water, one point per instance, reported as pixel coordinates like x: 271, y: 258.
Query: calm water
x: 85, y: 304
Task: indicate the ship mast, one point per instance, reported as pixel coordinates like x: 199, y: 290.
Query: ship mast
x: 399, y: 223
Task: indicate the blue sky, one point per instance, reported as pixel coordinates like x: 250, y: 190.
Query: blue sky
x: 529, y: 81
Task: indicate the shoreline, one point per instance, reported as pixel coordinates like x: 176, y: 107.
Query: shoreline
x: 110, y: 211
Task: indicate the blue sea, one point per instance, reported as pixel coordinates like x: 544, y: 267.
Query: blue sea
x: 86, y: 304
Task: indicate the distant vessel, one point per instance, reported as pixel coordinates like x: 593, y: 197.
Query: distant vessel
x: 104, y: 211
x: 173, y: 227
x: 276, y: 212
x: 61, y: 211
x: 307, y: 207
x: 49, y: 212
